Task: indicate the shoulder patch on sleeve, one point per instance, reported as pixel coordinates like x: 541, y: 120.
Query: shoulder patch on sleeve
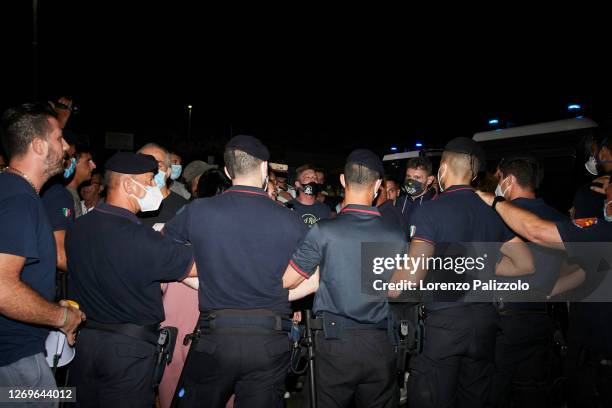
x: 584, y: 222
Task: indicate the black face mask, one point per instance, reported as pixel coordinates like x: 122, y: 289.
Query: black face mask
x: 414, y: 187
x: 311, y: 188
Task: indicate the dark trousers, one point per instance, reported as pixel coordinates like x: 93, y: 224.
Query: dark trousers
x: 522, y: 366
x: 456, y: 366
x: 355, y: 371
x: 251, y: 366
x: 112, y: 370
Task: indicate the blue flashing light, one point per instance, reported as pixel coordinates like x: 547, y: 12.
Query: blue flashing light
x: 574, y: 107
x: 418, y: 144
x: 181, y: 393
x: 494, y: 122
x: 394, y: 148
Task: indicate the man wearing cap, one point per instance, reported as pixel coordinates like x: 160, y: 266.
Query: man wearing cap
x: 244, y: 309
x: 115, y: 278
x: 456, y: 365
x: 355, y: 366
x: 192, y: 174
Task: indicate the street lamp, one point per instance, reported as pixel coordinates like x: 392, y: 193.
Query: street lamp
x: 189, y: 107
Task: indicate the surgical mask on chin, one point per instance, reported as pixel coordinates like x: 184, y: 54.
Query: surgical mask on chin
x: 160, y: 179
x: 499, y: 191
x: 591, y: 165
x: 69, y: 171
x: 440, y: 179
x: 265, y: 183
x: 176, y: 171
x: 152, y: 199
x: 607, y: 217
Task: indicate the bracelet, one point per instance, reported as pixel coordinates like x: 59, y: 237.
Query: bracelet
x: 65, y: 317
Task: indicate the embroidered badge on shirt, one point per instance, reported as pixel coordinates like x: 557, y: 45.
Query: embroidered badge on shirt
x: 585, y: 222
x: 67, y: 212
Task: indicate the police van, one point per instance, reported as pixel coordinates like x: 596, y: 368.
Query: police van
x: 562, y: 147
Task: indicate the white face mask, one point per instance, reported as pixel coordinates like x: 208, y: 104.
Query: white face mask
x: 152, y: 198
x: 498, y: 189
x: 440, y: 178
x: 591, y: 165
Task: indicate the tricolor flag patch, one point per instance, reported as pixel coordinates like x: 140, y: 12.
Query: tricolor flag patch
x: 67, y: 212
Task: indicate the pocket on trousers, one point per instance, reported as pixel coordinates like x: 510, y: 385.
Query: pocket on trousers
x: 278, y: 347
x: 206, y: 346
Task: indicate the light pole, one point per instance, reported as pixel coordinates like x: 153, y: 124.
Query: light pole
x: 189, y: 107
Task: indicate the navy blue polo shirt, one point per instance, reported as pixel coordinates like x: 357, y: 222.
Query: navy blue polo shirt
x: 406, y: 206
x: 392, y: 214
x: 116, y: 264
x: 457, y: 215
x: 25, y: 232
x: 59, y: 205
x: 588, y: 203
x: 335, y: 246
x: 547, y: 261
x: 591, y: 320
x: 570, y: 232
x: 242, y: 243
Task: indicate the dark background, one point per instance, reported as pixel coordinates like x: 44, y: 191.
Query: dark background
x: 316, y: 81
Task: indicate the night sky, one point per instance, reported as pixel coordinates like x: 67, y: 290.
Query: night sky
x: 307, y: 80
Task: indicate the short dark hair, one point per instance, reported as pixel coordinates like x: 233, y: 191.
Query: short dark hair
x: 24, y: 123
x: 527, y: 171
x: 303, y: 168
x: 355, y: 173
x: 212, y: 182
x: 390, y: 178
x: 422, y: 163
x: 240, y: 163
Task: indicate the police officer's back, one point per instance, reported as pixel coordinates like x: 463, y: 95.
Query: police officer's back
x: 525, y: 328
x: 355, y: 359
x: 456, y: 364
x: 116, y: 266
x: 242, y: 242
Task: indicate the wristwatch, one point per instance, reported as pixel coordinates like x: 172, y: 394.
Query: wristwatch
x: 496, y: 200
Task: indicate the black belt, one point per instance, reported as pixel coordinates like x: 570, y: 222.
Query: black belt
x: 347, y: 323
x: 243, y: 320
x: 149, y: 333
x: 523, y: 308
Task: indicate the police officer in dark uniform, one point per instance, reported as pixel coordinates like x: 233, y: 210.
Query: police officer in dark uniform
x: 116, y: 265
x: 456, y: 365
x: 355, y: 358
x: 242, y: 242
x: 589, y: 378
x: 525, y: 328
